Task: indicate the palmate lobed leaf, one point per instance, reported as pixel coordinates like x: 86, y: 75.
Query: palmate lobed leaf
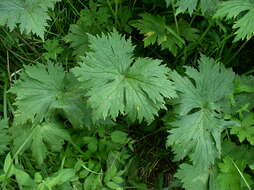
x: 117, y: 83
x: 198, y: 129
x: 44, y: 89
x: 243, y: 12
x: 29, y: 15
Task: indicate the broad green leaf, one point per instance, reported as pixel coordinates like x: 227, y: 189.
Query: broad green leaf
x: 198, y: 129
x: 39, y: 138
x: 117, y: 83
x: 242, y: 11
x: 245, y: 130
x: 43, y: 89
x: 232, y: 176
x: 155, y: 29
x: 29, y: 15
x: 4, y: 136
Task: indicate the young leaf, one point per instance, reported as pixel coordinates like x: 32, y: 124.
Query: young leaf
x: 245, y: 130
x: 53, y: 49
x: 4, y: 136
x: 42, y: 89
x: 199, y: 127
x: 243, y: 12
x: 39, y: 138
x: 30, y: 16
x: 118, y: 83
x: 155, y: 29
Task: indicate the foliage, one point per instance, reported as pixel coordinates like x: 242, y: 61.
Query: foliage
x: 244, y: 22
x: 191, y: 5
x: 31, y: 16
x: 92, y: 91
x: 51, y: 89
x: 136, y: 89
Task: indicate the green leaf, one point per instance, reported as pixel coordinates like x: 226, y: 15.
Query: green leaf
x: 29, y: 15
x: 198, y: 128
x: 245, y: 130
x: 119, y: 84
x: 238, y: 152
x: 193, y: 178
x: 43, y: 89
x: 155, y: 29
x: 231, y: 176
x: 24, y: 180
x: 39, y: 138
x: 60, y: 177
x: 53, y: 49
x: 197, y: 135
x: 244, y: 83
x: 242, y: 11
x: 8, y: 166
x: 92, y: 21
x: 168, y: 2
x: 191, y: 5
x: 119, y: 137
x: 4, y: 136
x: 114, y: 186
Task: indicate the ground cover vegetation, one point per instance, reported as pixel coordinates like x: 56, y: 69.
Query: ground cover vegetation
x: 126, y: 94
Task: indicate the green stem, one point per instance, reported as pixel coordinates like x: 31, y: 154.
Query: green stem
x: 15, y: 155
x: 174, y: 12
x: 192, y: 20
x: 113, y: 12
x: 237, y: 52
x: 205, y: 33
x: 76, y: 13
x: 241, y: 174
x: 5, y: 100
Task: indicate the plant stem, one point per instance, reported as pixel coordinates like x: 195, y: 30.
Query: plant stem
x: 174, y: 12
x: 237, y: 52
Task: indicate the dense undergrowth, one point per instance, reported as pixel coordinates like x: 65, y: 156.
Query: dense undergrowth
x: 126, y: 94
